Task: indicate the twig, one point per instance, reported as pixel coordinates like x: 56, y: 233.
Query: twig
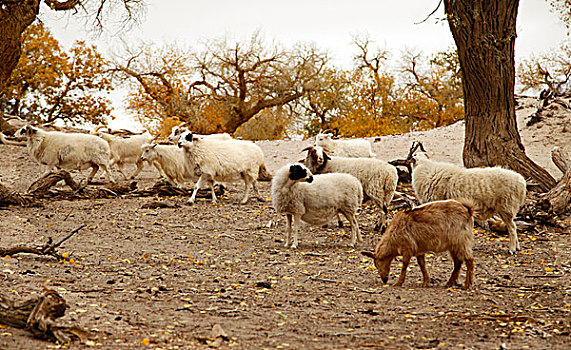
x: 69, y: 235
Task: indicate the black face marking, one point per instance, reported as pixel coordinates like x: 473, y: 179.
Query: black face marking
x: 297, y: 172
x: 188, y: 137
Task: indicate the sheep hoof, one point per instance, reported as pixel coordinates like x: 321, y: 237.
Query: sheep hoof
x: 190, y: 203
x: 260, y: 199
x: 340, y: 224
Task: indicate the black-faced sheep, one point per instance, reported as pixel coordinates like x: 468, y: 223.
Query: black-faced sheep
x: 432, y: 227
x: 379, y: 178
x: 315, y: 199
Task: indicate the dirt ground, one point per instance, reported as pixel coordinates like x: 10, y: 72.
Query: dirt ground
x: 163, y: 278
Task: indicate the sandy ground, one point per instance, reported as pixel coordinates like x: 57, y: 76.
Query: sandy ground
x: 164, y: 278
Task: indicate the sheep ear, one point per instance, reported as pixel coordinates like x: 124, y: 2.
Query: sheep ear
x: 369, y: 254
x: 325, y: 156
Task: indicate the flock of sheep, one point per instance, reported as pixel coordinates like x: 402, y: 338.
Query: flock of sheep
x: 333, y: 179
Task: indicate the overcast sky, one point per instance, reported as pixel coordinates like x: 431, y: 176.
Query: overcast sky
x: 330, y: 24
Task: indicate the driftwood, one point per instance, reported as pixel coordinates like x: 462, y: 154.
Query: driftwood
x: 43, y: 188
x: 38, y: 315
x: 9, y: 197
x: 406, y: 176
x: 49, y: 248
x: 7, y: 141
x: 165, y: 189
x: 559, y: 197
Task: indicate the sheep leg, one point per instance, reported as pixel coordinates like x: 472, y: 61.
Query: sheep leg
x: 247, y: 183
x: 139, y: 168
x: 455, y: 273
x: 198, y: 186
x: 339, y: 221
x: 405, y: 262
x: 425, y: 276
x: 469, y: 273
x: 94, y: 169
x: 512, y: 232
x: 355, y: 232
x: 288, y: 230
x: 296, y: 222
x: 108, y: 176
x: 160, y: 169
x: 257, y: 191
x: 120, y: 167
x: 381, y: 223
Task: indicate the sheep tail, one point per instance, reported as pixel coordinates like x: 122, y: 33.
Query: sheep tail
x: 264, y: 174
x: 468, y: 204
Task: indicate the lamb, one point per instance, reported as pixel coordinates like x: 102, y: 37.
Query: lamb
x: 127, y: 150
x: 67, y: 150
x: 315, y: 199
x: 432, y: 227
x: 493, y: 190
x: 171, y: 162
x: 223, y: 161
x: 178, y: 130
x: 379, y: 178
x: 344, y: 148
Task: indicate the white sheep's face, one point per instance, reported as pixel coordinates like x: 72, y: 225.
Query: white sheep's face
x: 149, y: 153
x: 418, y: 156
x: 320, y: 138
x: 300, y: 173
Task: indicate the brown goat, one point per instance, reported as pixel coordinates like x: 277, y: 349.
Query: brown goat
x: 432, y: 227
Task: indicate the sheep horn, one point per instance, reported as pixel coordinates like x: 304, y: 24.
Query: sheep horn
x: 308, y: 148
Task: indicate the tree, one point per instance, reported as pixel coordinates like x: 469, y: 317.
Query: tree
x: 225, y: 84
x: 49, y: 84
x: 438, y: 81
x: 551, y: 71
x: 16, y: 16
x: 485, y: 32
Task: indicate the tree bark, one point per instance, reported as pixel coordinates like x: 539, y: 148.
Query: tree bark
x: 485, y: 32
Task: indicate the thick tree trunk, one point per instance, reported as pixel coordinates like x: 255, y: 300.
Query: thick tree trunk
x: 485, y: 32
x: 15, y: 17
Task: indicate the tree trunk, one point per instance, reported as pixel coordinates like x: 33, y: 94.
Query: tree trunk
x: 15, y: 17
x: 485, y: 32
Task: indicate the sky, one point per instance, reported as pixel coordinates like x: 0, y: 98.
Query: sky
x: 330, y: 24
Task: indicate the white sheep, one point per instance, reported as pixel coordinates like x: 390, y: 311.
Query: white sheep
x: 493, y: 190
x: 223, y: 161
x: 432, y: 227
x: 171, y: 162
x: 315, y: 199
x: 178, y: 130
x: 353, y: 148
x: 379, y: 178
x: 67, y: 150
x: 127, y: 150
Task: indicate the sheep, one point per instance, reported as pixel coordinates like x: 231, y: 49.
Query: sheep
x: 493, y: 190
x: 432, y: 227
x: 67, y: 150
x: 171, y: 162
x: 315, y: 199
x: 344, y: 148
x: 379, y: 178
x: 223, y: 161
x: 127, y: 150
x: 178, y: 130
